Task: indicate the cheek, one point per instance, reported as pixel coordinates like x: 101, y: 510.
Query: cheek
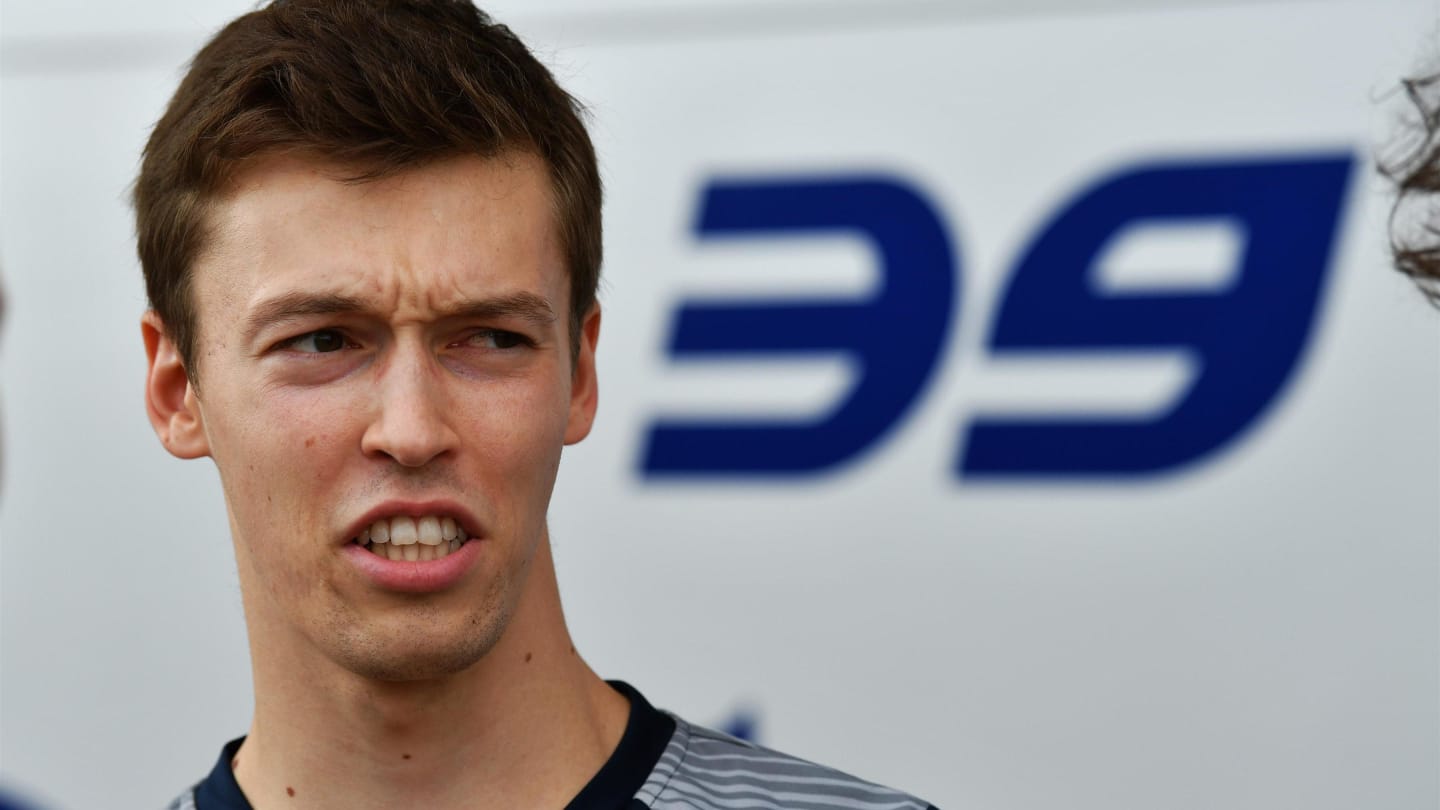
x: 533, y: 419
x: 286, y: 468
x: 514, y: 443
x: 272, y: 455
x: 285, y: 444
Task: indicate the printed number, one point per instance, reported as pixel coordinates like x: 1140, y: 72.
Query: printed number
x: 1247, y: 339
x: 895, y: 337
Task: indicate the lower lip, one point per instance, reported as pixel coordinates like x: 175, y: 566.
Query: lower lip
x: 421, y: 576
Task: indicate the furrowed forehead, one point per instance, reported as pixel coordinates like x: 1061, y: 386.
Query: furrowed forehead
x: 473, y: 236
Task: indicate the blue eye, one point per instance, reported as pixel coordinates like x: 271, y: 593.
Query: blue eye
x: 319, y: 342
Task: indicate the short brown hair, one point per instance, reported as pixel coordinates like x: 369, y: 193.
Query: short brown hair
x: 380, y: 85
x: 1414, y: 167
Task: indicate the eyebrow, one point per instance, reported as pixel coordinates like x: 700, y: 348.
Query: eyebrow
x: 288, y: 306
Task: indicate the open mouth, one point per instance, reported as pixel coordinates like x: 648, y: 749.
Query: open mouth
x: 414, y: 539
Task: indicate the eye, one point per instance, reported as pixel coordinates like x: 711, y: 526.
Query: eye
x: 321, y: 341
x: 497, y: 339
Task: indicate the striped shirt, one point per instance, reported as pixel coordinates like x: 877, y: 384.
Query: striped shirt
x: 706, y: 770
x: 663, y: 763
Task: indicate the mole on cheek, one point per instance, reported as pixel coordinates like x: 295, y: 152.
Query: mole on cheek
x: 405, y: 756
x: 289, y: 791
x: 310, y: 442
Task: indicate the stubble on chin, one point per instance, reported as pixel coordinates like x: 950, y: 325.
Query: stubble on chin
x: 424, y: 646
x: 422, y: 642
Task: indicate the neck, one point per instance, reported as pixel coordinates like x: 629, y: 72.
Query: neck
x: 525, y: 726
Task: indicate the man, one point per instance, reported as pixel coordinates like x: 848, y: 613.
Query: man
x: 370, y: 233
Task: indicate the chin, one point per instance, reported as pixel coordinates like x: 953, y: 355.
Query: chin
x: 410, y: 656
x: 431, y: 665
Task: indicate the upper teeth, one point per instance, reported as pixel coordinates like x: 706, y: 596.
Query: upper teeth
x: 430, y: 530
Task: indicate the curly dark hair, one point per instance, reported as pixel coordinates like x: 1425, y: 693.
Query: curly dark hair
x: 1414, y: 167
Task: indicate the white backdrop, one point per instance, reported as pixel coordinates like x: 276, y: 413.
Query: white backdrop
x: 1260, y: 629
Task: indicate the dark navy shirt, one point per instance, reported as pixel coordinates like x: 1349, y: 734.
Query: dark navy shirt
x: 613, y: 787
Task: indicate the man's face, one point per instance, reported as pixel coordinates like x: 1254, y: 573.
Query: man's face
x: 380, y: 351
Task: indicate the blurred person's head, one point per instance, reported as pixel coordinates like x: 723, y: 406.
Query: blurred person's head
x: 1414, y: 167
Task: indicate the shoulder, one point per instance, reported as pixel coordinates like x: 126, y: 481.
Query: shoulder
x: 702, y: 769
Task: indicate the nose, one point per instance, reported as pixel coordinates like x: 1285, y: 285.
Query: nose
x: 411, y: 421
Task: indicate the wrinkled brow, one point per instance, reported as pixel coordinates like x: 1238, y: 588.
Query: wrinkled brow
x: 524, y: 305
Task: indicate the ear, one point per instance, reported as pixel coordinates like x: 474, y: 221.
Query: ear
x: 584, y: 389
x: 170, y: 399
